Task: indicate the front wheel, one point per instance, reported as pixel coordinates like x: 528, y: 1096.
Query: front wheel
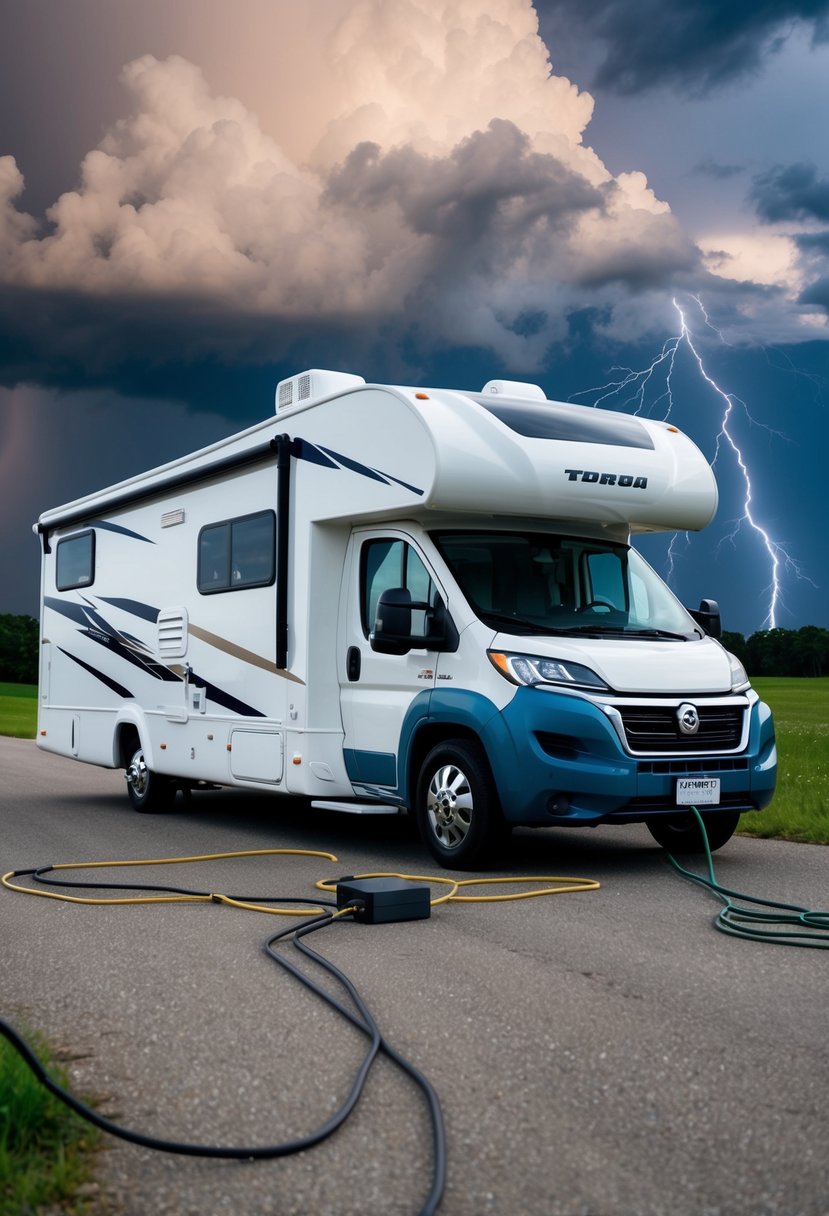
x: 457, y: 810
x: 148, y: 792
x: 681, y: 834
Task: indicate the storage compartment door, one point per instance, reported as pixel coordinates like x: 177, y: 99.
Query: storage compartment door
x: 257, y: 755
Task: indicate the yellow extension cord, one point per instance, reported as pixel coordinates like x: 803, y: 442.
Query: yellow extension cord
x: 563, y: 885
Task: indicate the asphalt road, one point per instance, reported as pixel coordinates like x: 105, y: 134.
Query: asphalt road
x: 596, y: 1054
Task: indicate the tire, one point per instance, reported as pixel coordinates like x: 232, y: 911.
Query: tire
x: 680, y: 833
x: 457, y: 810
x: 148, y: 792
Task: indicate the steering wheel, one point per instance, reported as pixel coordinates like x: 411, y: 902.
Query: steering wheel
x: 597, y: 604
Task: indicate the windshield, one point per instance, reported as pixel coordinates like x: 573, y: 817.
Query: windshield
x: 533, y: 582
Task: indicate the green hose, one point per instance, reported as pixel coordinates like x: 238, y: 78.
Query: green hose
x: 794, y: 926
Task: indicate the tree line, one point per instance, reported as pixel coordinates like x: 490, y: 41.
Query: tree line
x: 782, y: 652
x: 19, y: 637
x: 771, y: 652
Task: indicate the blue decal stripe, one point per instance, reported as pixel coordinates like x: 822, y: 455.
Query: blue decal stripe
x: 303, y: 449
x: 108, y: 527
x: 145, y: 611
x: 76, y: 612
x: 98, y: 630
x: 328, y: 458
x: 355, y: 466
x: 227, y: 700
x: 126, y: 652
x: 404, y: 484
x: 99, y: 675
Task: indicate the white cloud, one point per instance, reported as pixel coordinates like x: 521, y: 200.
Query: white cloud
x: 450, y: 176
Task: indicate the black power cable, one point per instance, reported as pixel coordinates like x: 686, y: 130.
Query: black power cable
x: 45, y: 875
x: 363, y: 1020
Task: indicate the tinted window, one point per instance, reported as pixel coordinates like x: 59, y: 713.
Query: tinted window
x: 393, y: 563
x: 576, y: 423
x: 75, y: 562
x: 237, y: 553
x: 534, y: 582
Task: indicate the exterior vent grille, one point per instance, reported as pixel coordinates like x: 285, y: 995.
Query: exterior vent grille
x: 656, y: 729
x: 314, y: 385
x: 679, y: 768
x: 172, y: 633
x: 170, y: 518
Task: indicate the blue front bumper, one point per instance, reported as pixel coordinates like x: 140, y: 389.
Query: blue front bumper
x: 557, y: 759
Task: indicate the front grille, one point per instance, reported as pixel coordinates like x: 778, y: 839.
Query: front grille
x: 682, y: 767
x: 636, y: 808
x: 656, y: 728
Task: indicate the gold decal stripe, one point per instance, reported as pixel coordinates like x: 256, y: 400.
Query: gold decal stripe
x: 239, y: 652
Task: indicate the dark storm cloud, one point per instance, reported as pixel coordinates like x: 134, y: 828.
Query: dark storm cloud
x: 817, y: 293
x: 813, y: 242
x: 481, y: 200
x: 791, y: 192
x: 183, y: 349
x: 490, y: 244
x: 695, y: 46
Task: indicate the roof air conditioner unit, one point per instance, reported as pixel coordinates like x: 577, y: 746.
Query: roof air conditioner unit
x: 313, y: 385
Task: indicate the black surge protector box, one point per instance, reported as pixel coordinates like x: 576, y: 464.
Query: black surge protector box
x: 383, y: 900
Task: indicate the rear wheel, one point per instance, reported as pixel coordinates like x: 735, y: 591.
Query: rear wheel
x: 148, y: 792
x: 680, y: 833
x: 458, y: 815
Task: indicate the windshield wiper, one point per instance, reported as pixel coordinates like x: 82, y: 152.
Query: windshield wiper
x: 658, y: 633
x: 516, y: 623
x: 619, y: 631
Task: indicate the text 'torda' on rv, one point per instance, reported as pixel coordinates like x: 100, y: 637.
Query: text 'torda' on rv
x: 388, y: 598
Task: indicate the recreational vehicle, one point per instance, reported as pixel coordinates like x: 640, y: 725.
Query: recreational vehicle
x: 387, y: 599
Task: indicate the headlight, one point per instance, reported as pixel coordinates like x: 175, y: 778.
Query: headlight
x: 739, y: 679
x: 531, y: 669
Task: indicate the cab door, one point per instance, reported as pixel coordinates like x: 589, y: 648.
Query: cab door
x: 377, y: 691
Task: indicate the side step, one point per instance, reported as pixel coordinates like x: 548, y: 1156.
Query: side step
x: 356, y: 808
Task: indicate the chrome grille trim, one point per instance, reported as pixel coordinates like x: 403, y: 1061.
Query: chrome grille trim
x: 647, y: 726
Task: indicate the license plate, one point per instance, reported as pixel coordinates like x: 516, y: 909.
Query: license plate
x: 697, y: 791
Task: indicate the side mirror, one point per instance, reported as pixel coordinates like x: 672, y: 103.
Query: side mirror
x: 392, y: 632
x: 708, y: 616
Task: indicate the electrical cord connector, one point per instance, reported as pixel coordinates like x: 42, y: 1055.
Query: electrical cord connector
x: 381, y: 901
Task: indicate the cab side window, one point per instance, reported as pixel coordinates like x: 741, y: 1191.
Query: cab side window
x: 387, y: 563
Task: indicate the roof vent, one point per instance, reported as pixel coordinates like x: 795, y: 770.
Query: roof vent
x: 313, y: 385
x: 515, y: 388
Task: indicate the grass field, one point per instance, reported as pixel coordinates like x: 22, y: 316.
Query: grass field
x: 800, y: 810
x: 18, y: 710
x: 45, y: 1150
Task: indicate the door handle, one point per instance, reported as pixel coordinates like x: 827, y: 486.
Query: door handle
x: 353, y: 663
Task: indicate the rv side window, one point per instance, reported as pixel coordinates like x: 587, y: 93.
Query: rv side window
x: 75, y: 562
x: 237, y: 553
x: 392, y: 563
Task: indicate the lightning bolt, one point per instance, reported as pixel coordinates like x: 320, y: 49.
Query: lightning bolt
x: 632, y: 387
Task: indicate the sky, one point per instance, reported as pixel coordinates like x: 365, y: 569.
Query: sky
x: 624, y: 201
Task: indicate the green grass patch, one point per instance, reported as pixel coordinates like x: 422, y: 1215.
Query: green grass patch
x: 46, y: 1151
x: 18, y: 710
x: 800, y: 809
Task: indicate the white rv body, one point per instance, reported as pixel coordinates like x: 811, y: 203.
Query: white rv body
x: 207, y: 622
